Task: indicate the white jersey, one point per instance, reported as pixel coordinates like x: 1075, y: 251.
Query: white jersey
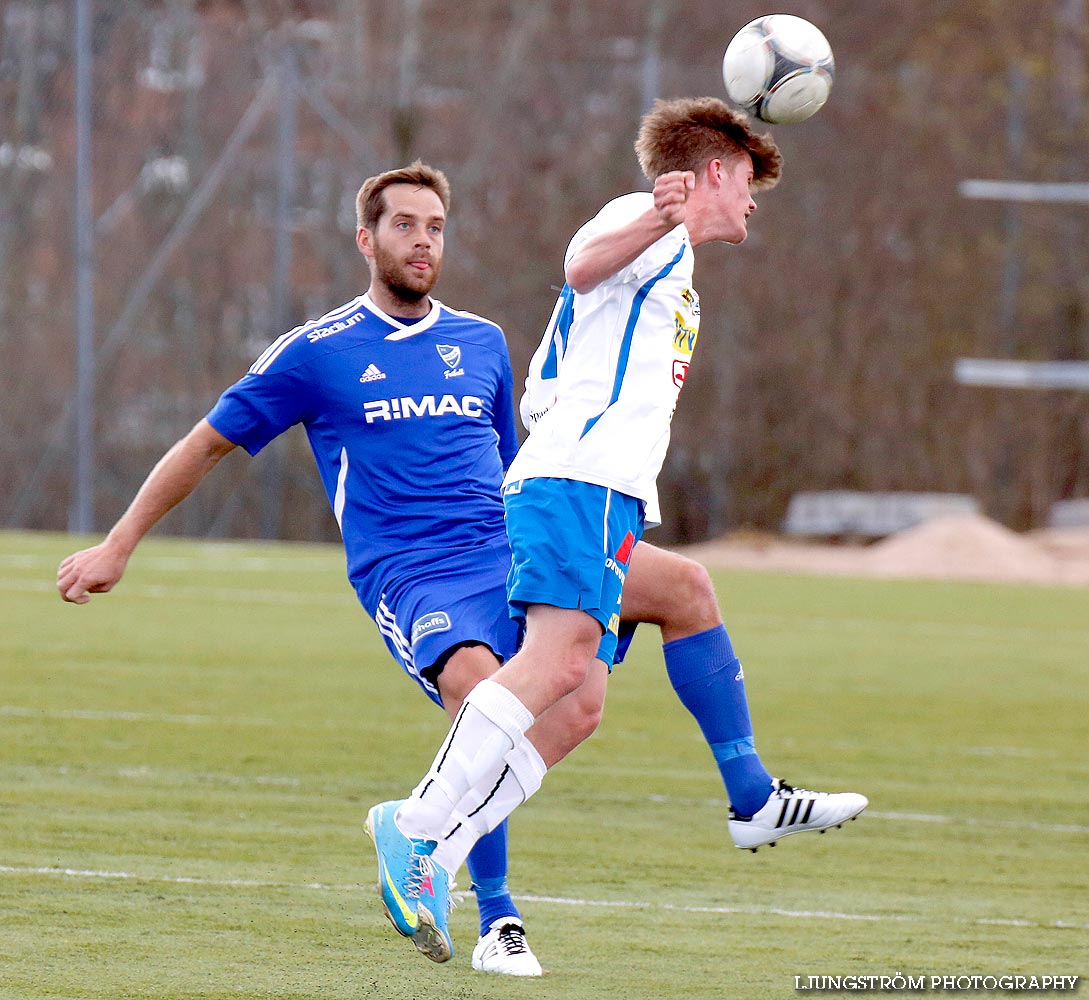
x: 603, y: 383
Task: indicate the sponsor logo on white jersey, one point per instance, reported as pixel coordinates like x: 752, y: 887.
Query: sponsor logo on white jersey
x: 451, y: 357
x: 680, y: 372
x: 434, y: 621
x: 684, y: 336
x: 372, y: 374
x: 692, y: 300
x: 405, y: 407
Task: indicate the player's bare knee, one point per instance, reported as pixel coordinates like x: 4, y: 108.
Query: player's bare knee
x: 586, y: 717
x: 463, y: 669
x: 561, y: 655
x: 693, y: 604
x: 580, y: 712
x: 569, y: 672
x: 703, y: 596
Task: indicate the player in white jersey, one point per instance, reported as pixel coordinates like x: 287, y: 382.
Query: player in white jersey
x: 602, y: 416
x: 602, y: 390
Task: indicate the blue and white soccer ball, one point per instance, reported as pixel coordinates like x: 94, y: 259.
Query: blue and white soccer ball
x: 779, y: 68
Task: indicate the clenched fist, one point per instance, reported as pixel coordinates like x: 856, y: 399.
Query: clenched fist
x: 671, y: 192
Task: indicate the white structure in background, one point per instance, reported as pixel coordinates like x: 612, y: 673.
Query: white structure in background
x: 859, y: 514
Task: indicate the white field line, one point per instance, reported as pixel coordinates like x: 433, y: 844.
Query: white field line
x: 1075, y: 634
x: 234, y: 883
x: 109, y: 715
x: 894, y: 817
x: 197, y: 719
x: 215, y: 560
x: 1009, y: 824
x: 145, y: 773
x: 226, y: 595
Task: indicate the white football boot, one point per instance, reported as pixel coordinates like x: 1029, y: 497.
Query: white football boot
x: 504, y: 949
x: 793, y: 810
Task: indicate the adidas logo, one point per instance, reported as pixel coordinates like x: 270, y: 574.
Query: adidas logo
x: 372, y: 374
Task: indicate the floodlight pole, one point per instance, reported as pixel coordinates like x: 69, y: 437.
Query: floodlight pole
x: 275, y: 462
x: 81, y: 507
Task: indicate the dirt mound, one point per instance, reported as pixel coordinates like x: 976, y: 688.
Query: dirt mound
x: 956, y: 547
x: 962, y: 546
x: 1063, y: 543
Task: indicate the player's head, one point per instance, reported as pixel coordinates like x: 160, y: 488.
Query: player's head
x: 688, y: 132
x: 370, y: 201
x: 400, y: 216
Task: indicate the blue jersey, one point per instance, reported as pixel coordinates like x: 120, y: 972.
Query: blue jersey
x: 411, y: 425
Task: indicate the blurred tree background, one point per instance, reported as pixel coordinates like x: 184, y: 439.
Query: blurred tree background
x: 230, y: 136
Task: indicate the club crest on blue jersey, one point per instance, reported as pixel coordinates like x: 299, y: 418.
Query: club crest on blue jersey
x: 451, y: 357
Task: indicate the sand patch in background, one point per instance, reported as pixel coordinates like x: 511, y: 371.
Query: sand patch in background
x: 956, y: 547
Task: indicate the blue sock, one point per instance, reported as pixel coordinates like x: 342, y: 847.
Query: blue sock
x: 488, y: 869
x: 711, y: 684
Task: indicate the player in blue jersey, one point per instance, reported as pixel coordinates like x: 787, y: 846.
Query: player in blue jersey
x: 408, y: 407
x: 601, y: 393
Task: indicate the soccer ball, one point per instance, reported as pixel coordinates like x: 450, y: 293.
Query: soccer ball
x: 779, y: 68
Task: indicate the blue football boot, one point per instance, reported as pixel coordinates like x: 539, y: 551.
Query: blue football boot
x: 404, y: 869
x: 432, y: 937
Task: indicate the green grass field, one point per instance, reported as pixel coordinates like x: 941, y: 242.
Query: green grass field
x: 185, y: 766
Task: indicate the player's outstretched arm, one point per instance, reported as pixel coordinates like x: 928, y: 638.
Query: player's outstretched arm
x: 607, y: 253
x: 98, y: 569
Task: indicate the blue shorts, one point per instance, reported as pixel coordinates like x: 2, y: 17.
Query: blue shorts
x: 570, y: 545
x: 454, y: 599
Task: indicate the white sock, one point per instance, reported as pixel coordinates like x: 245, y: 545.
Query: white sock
x: 488, y: 803
x: 490, y: 723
